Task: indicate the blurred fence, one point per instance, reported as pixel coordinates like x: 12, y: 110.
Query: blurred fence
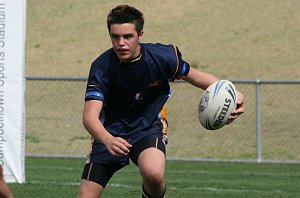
x: 269, y: 130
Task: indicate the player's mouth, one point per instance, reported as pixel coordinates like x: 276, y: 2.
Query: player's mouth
x: 123, y: 51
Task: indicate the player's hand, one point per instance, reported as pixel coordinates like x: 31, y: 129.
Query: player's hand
x: 240, y: 108
x: 117, y: 146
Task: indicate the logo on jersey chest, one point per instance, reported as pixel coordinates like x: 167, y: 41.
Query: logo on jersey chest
x: 155, y: 83
x: 138, y: 96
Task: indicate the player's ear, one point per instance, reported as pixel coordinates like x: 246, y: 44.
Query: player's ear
x: 140, y: 34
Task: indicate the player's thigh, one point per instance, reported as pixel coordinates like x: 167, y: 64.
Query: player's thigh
x: 89, y: 189
x: 151, y: 163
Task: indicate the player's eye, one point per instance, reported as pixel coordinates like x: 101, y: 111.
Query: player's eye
x: 128, y: 36
x: 113, y: 36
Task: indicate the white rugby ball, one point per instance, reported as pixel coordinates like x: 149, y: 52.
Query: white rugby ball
x: 216, y: 104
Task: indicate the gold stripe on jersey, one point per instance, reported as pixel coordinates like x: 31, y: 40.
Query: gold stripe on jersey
x: 91, y: 85
x: 133, y: 60
x: 177, y: 60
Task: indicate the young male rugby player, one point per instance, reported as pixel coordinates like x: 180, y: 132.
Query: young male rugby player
x: 124, y: 109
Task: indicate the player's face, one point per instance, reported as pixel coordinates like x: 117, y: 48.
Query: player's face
x: 125, y: 40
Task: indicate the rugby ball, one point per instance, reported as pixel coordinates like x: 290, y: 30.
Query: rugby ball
x: 216, y: 104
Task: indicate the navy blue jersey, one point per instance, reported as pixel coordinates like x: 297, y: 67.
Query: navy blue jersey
x: 134, y: 93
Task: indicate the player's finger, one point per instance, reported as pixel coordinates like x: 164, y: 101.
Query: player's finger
x: 234, y: 114
x: 117, y: 151
x: 123, y: 145
x: 239, y: 110
x: 240, y: 104
x: 124, y: 142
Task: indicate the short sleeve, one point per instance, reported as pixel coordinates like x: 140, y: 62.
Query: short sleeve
x: 97, y: 83
x: 179, y: 67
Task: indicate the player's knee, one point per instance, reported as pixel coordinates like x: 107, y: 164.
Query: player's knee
x: 82, y: 193
x: 153, y: 176
x: 89, y: 189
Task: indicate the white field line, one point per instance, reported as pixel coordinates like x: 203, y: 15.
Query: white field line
x: 213, y: 189
x: 176, y: 172
x: 252, y: 173
x: 170, y: 188
x: 51, y: 168
x: 54, y: 183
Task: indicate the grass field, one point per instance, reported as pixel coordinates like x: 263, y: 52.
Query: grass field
x: 60, y: 177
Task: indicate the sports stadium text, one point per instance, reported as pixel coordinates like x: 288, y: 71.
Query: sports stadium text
x: 2, y: 81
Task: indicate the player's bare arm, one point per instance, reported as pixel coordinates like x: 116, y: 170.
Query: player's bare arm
x: 200, y: 79
x: 116, y: 146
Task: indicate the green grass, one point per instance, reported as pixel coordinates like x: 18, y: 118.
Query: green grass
x: 59, y: 177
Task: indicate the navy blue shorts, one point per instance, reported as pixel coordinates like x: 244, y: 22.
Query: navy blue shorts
x: 100, y: 154
x: 101, y: 171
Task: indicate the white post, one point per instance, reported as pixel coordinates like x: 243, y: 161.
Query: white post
x: 12, y: 89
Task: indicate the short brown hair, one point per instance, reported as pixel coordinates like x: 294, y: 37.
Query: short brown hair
x: 126, y: 14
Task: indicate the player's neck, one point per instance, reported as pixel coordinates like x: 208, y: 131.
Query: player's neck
x: 132, y: 62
